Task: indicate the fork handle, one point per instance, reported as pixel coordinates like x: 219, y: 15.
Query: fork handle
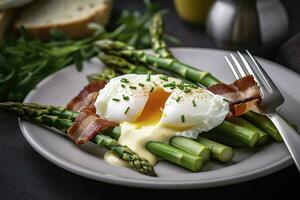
x: 290, y: 137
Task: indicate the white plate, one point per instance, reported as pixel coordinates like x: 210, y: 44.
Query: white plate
x: 248, y: 164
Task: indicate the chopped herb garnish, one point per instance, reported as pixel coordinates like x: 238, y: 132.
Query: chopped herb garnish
x: 226, y: 100
x: 124, y: 80
x: 126, y: 98
x: 115, y: 99
x: 178, y: 99
x: 187, y: 90
x: 182, y: 118
x: 194, y: 86
x: 132, y: 87
x: 148, y: 77
x: 141, y: 84
x: 123, y: 86
x: 126, y: 110
x: 180, y: 86
x: 151, y: 90
x: 194, y: 103
x: 170, y: 85
x: 165, y: 78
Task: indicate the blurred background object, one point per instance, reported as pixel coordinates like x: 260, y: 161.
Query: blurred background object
x: 8, y: 12
x: 289, y: 53
x: 193, y: 11
x: 247, y: 23
x: 8, y: 4
x: 5, y: 19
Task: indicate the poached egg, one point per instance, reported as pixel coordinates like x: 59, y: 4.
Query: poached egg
x: 157, y: 108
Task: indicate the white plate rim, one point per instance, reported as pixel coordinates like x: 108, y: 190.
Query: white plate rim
x: 189, y: 184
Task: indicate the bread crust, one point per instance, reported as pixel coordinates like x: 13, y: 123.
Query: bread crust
x: 75, y: 29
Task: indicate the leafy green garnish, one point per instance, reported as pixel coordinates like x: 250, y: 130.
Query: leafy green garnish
x: 25, y: 61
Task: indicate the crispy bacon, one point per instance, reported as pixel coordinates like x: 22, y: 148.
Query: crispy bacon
x: 243, y: 94
x: 86, y: 97
x: 86, y: 125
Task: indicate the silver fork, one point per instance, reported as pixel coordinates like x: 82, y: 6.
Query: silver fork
x: 271, y: 99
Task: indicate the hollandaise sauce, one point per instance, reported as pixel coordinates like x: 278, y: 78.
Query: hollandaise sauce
x: 146, y: 129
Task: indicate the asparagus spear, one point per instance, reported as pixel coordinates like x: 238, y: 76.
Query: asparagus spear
x: 240, y: 133
x: 264, y: 123
x: 184, y: 70
x: 133, y: 159
x: 263, y: 136
x: 219, y: 137
x: 174, y: 155
x: 106, y: 75
x: 49, y: 116
x: 120, y: 49
x: 44, y: 115
x: 123, y: 66
x: 191, y: 146
x: 218, y: 151
x: 156, y: 30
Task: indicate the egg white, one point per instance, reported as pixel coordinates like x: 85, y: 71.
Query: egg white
x: 189, y: 112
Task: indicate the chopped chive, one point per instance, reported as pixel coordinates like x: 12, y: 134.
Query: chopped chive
x: 132, y: 87
x: 226, y: 100
x: 165, y: 78
x: 124, y: 80
x: 182, y: 118
x: 115, y: 99
x: 187, y: 90
x: 194, y: 103
x: 194, y: 86
x: 141, y: 84
x: 126, y: 110
x: 148, y: 77
x: 170, y: 85
x: 178, y: 99
x: 180, y: 86
x: 152, y: 89
x: 126, y: 98
x: 123, y: 86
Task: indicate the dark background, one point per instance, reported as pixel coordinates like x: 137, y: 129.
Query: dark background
x: 24, y: 174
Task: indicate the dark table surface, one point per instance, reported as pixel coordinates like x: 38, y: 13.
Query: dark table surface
x: 24, y: 174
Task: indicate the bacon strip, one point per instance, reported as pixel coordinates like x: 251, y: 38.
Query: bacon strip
x: 86, y: 97
x: 86, y: 125
x: 243, y: 94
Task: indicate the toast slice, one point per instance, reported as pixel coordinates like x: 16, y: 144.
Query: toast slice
x: 69, y: 16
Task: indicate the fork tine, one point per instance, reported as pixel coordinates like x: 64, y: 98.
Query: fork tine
x: 249, y: 69
x: 233, y: 70
x: 269, y: 84
x: 238, y: 66
x: 246, y: 64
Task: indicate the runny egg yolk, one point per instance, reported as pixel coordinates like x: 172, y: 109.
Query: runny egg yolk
x: 153, y: 109
x: 137, y: 134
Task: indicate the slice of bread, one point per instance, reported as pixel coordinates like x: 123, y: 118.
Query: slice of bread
x: 70, y: 16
